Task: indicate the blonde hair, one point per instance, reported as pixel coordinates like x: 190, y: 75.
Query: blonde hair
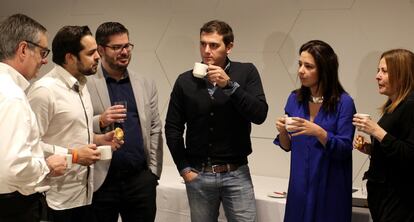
x: 400, y: 67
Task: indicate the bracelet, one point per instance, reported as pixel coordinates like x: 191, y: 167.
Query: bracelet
x: 74, y: 155
x: 101, y: 122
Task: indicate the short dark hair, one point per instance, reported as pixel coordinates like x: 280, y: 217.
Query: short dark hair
x: 327, y: 65
x: 15, y: 29
x: 107, y: 29
x: 68, y: 40
x: 221, y: 28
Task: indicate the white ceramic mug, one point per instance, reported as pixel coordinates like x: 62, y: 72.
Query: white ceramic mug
x: 106, y: 152
x: 200, y: 70
x: 288, y: 124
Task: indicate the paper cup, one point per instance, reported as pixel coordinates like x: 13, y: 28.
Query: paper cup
x: 361, y: 137
x: 363, y: 116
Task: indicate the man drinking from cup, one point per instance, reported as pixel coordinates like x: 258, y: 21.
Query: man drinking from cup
x: 217, y: 112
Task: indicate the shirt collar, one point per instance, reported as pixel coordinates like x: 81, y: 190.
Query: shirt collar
x: 15, y: 75
x: 70, y: 81
x: 227, y: 67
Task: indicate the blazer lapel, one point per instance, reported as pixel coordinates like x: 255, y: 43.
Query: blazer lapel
x: 138, y: 88
x: 102, y: 89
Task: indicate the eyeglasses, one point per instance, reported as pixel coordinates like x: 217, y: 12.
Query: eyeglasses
x: 119, y: 48
x: 44, y: 51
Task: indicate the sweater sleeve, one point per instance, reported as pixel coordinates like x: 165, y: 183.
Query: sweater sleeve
x: 250, y: 99
x: 175, y: 126
x: 401, y: 147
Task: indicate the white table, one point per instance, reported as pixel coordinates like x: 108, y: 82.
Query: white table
x: 172, y: 203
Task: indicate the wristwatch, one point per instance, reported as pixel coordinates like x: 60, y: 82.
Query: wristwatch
x: 230, y: 84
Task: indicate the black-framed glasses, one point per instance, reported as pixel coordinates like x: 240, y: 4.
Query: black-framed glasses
x: 44, y: 51
x: 119, y: 48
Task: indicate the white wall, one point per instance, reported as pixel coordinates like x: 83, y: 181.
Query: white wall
x: 267, y: 33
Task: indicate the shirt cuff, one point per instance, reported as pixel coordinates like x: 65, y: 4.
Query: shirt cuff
x: 387, y: 140
x: 60, y: 150
x: 230, y: 91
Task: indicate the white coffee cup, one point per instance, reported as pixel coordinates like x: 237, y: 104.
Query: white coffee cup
x: 68, y: 161
x: 106, y: 152
x: 362, y: 116
x: 288, y: 124
x: 200, y: 70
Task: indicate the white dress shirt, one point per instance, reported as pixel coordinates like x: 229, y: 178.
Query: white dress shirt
x: 65, y: 121
x: 22, y: 164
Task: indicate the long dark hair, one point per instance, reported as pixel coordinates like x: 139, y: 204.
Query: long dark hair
x: 327, y: 68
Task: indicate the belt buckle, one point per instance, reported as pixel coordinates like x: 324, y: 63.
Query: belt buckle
x: 213, y: 170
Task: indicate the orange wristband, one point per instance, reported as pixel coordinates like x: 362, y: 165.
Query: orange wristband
x: 74, y: 156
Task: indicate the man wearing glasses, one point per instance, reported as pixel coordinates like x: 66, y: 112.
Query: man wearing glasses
x: 129, y: 188
x: 23, y: 50
x: 44, y: 51
x: 63, y: 108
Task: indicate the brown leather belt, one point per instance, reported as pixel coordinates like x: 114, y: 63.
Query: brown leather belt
x: 223, y: 168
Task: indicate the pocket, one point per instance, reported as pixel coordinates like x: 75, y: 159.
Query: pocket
x: 241, y: 171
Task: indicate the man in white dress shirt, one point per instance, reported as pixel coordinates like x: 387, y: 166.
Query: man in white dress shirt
x: 64, y: 113
x: 23, y: 50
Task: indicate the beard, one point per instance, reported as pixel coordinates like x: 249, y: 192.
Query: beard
x: 87, y: 71
x: 120, y: 67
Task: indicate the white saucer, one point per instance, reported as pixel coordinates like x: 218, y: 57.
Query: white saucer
x: 277, y: 194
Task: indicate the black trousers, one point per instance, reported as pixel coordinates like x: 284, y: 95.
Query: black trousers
x: 78, y: 214
x: 130, y: 194
x: 389, y: 204
x: 15, y: 207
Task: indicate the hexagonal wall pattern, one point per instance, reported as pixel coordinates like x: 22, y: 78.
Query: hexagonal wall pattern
x: 267, y: 33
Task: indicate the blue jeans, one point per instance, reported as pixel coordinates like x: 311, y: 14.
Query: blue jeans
x: 233, y: 189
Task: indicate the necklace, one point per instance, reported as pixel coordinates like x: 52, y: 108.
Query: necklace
x: 317, y: 99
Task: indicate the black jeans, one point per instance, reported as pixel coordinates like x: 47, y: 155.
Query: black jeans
x: 15, y: 207
x: 130, y: 194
